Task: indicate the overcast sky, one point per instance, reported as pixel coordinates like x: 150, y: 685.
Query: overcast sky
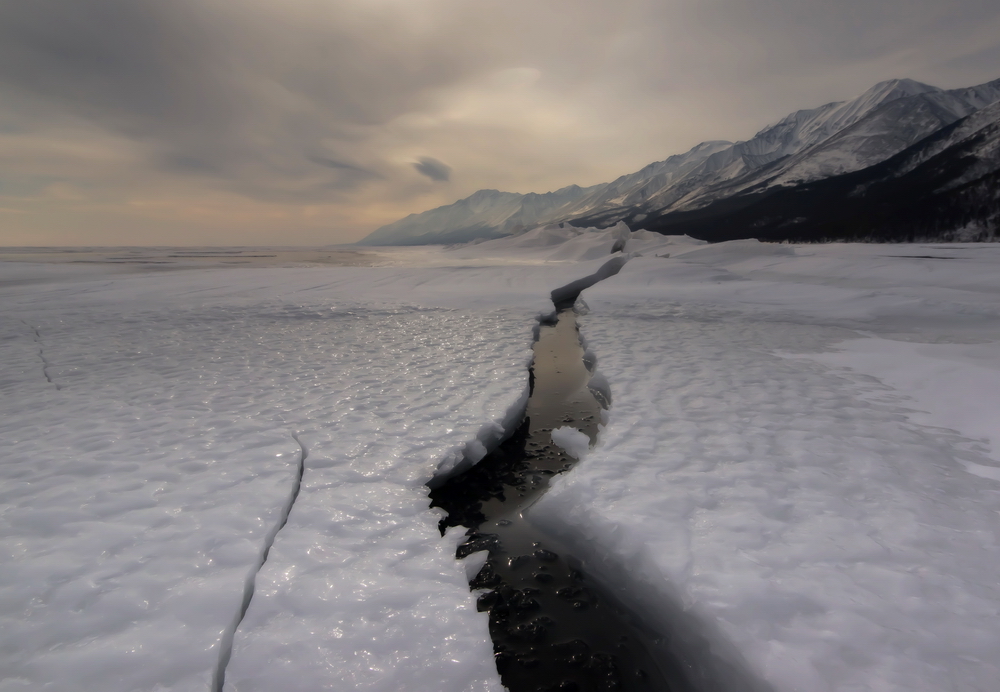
x: 228, y: 122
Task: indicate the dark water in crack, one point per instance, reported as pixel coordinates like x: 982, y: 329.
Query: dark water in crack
x: 553, y: 628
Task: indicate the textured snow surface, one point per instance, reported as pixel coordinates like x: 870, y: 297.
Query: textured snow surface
x: 801, y: 465
x: 151, y: 428
x: 798, y: 478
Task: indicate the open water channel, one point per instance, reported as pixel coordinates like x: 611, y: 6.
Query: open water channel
x: 553, y: 627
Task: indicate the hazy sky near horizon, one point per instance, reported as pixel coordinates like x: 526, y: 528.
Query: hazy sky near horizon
x: 246, y: 122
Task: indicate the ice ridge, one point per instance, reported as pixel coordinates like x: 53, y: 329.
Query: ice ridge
x: 570, y: 292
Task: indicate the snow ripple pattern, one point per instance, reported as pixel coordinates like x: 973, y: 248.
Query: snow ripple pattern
x: 139, y: 501
x: 792, y: 517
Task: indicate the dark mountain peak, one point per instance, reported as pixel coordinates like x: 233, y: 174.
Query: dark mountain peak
x: 898, y: 88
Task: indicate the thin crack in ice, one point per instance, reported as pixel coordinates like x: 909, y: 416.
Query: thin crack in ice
x: 41, y: 355
x: 226, y: 644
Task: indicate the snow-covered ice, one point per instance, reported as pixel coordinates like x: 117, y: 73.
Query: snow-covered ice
x: 799, y: 474
x: 152, y: 430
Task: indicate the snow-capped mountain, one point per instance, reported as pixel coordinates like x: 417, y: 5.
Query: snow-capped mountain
x: 484, y: 214
x: 944, y: 187
x: 636, y: 189
x: 803, y: 147
x: 809, y: 145
x: 792, y: 134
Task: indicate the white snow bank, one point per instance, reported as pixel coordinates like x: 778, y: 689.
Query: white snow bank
x: 810, y: 522
x: 151, y: 426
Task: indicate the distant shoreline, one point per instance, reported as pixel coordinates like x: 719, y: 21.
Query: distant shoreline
x: 192, y: 257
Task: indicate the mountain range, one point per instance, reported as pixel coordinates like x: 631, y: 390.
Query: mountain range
x: 902, y: 161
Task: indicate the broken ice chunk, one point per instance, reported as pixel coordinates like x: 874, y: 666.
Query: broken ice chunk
x: 572, y: 441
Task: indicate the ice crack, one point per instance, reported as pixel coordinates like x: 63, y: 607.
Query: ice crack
x: 41, y: 355
x: 226, y: 645
x: 553, y: 626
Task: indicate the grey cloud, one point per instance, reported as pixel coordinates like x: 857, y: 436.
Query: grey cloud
x: 223, y: 89
x: 295, y: 101
x: 433, y: 169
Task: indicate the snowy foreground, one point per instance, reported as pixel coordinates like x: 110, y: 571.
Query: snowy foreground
x: 798, y: 479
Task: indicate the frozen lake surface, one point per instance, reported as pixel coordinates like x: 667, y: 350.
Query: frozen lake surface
x: 793, y: 468
x: 799, y: 473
